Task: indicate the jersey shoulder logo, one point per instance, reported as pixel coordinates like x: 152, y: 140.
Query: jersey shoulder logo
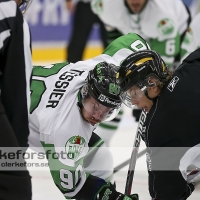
x: 166, y: 26
x: 74, y: 147
x: 97, y: 6
x: 173, y: 83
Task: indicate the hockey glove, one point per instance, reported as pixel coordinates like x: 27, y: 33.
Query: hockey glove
x: 108, y: 192
x: 136, y: 113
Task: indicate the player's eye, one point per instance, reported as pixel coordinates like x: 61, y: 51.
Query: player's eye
x: 95, y: 106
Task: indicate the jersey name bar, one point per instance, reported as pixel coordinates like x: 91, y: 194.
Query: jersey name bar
x: 61, y: 85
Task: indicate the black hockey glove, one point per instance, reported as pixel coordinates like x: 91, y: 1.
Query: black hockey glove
x: 108, y: 192
x: 136, y: 113
x: 191, y: 187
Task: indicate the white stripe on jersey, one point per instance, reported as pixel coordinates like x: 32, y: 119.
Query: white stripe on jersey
x: 3, y: 36
x: 7, y: 9
x: 28, y: 60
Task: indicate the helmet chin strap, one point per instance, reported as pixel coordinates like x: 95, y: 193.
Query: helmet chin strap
x: 146, y: 94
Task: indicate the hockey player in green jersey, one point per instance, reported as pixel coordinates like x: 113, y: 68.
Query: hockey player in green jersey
x: 191, y: 40
x: 68, y: 100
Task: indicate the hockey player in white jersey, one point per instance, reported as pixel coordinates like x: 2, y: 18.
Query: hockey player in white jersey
x: 191, y: 40
x: 160, y: 23
x: 65, y: 110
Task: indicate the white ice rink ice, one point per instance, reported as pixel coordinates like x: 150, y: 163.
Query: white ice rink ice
x: 121, y: 147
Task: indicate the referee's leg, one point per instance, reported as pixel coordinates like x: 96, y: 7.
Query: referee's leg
x: 14, y: 183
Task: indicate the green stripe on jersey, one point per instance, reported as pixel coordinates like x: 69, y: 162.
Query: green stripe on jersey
x: 41, y: 71
x: 65, y: 177
x: 130, y: 41
x: 107, y: 126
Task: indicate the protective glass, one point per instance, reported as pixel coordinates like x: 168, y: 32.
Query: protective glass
x: 132, y: 96
x: 95, y: 109
x: 112, y: 114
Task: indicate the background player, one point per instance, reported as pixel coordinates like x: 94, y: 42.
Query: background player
x: 161, y: 23
x: 191, y: 40
x: 83, y: 22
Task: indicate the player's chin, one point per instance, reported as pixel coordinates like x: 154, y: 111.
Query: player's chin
x: 91, y: 122
x: 146, y: 109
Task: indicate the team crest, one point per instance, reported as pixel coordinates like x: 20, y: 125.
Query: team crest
x: 114, y: 89
x: 74, y: 147
x: 97, y: 6
x: 188, y: 36
x: 166, y: 26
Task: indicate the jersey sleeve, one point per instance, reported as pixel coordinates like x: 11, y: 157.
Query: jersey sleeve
x: 8, y: 11
x: 191, y: 39
x: 183, y: 16
x: 102, y: 9
x: 69, y: 175
x: 112, y: 33
x: 68, y: 178
x: 130, y: 42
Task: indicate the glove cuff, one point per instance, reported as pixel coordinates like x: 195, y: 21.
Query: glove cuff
x: 107, y: 191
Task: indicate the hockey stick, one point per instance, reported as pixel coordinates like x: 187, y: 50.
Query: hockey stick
x: 134, y: 154
x: 117, y: 168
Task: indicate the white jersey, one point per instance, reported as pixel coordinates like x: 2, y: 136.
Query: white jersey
x: 56, y: 123
x: 160, y: 23
x: 191, y: 40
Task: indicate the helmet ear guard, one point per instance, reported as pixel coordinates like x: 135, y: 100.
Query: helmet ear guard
x: 84, y: 92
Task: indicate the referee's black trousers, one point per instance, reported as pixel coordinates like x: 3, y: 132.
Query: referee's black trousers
x: 15, y: 183
x: 84, y: 19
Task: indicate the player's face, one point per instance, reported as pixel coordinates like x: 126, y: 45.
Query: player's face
x: 144, y: 103
x: 18, y: 2
x: 135, y: 95
x: 136, y: 5
x: 139, y: 98
x: 93, y: 111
